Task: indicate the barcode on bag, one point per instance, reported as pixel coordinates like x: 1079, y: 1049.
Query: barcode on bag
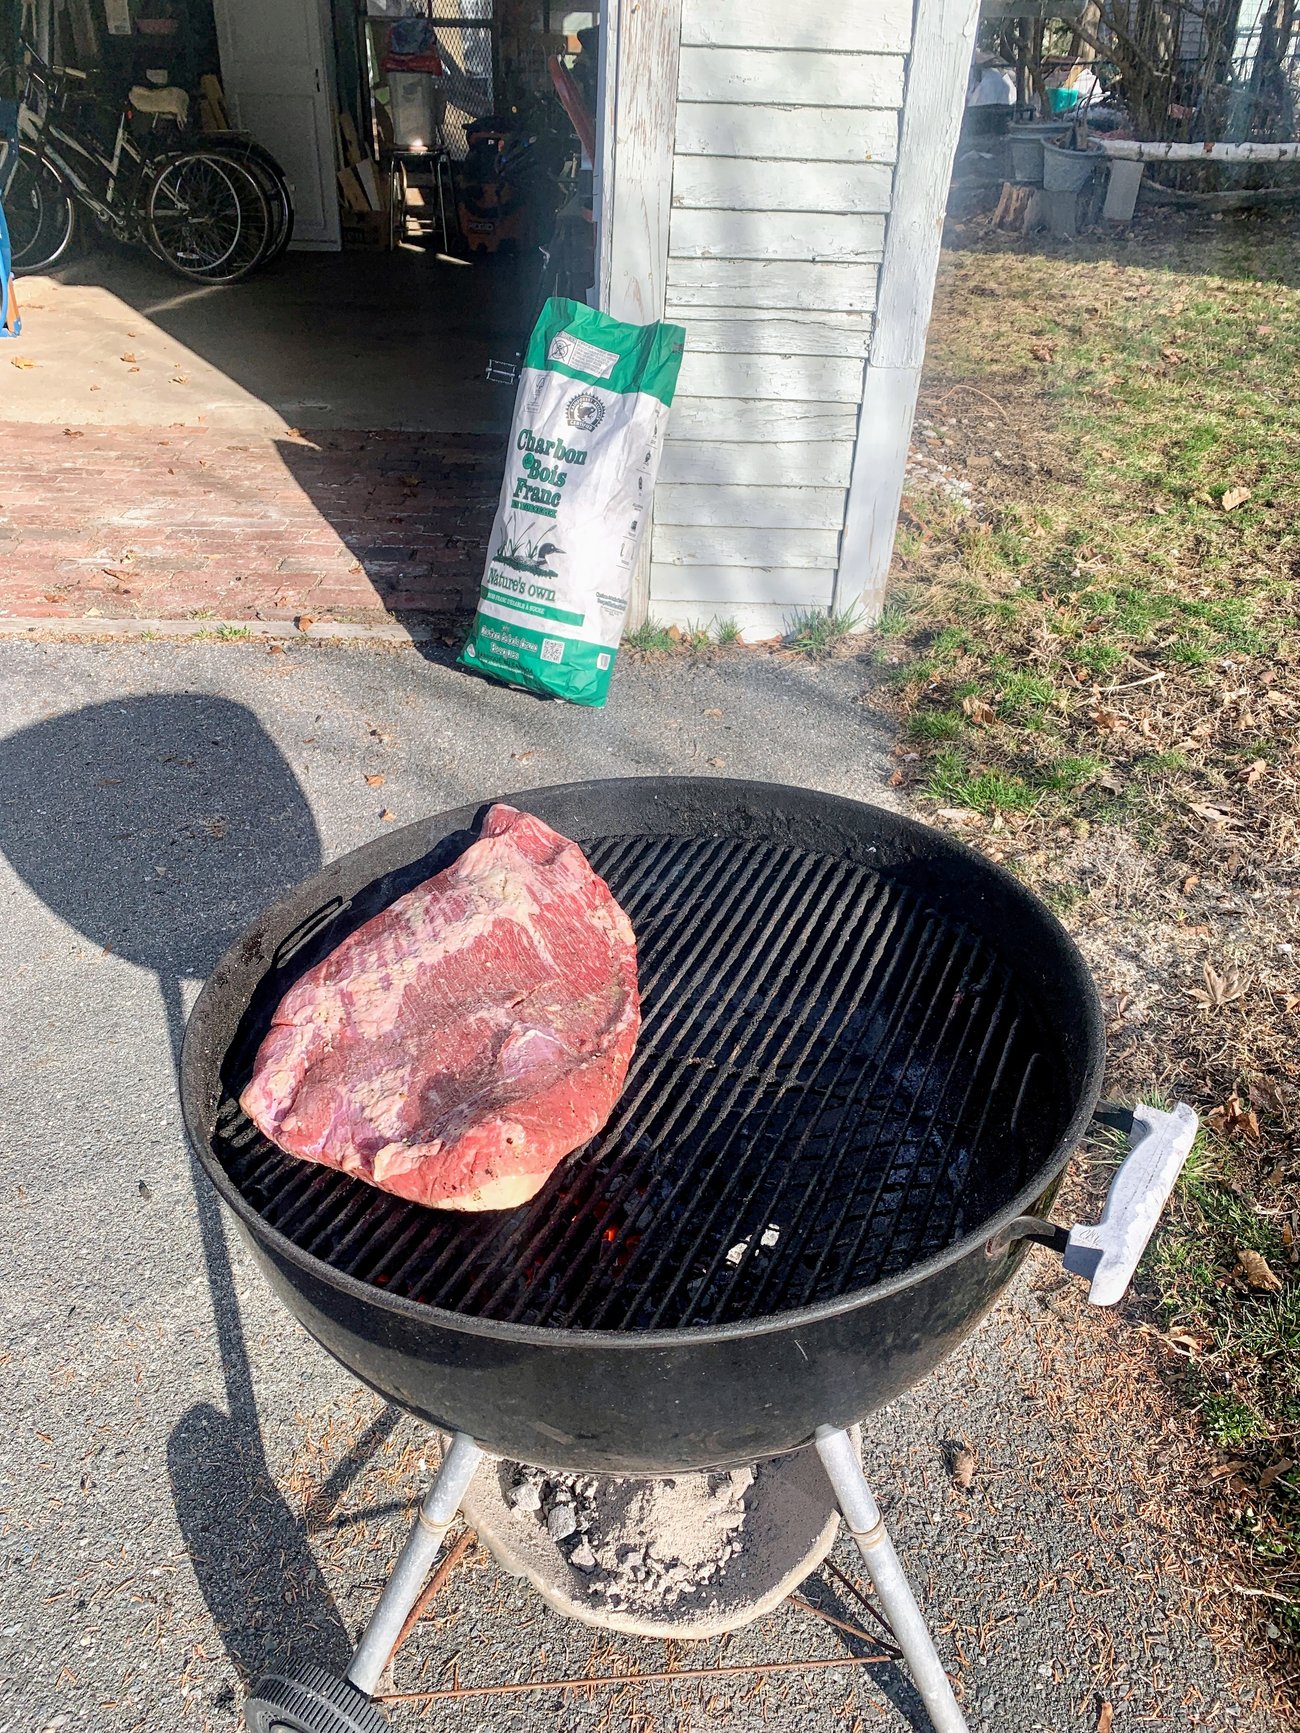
x: 552, y: 649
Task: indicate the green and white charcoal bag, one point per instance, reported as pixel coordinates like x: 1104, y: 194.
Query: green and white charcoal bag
x: 584, y: 447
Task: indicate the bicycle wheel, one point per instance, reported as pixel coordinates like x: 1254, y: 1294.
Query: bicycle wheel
x: 259, y: 162
x: 205, y: 218
x: 259, y: 230
x: 40, y: 212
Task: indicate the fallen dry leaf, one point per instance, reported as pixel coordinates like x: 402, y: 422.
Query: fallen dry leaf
x: 1190, y: 883
x: 73, y: 433
x: 25, y: 361
x: 1220, y: 990
x: 275, y: 649
x: 304, y: 622
x: 896, y: 779
x: 1275, y: 1469
x: 387, y: 816
x: 963, y: 1468
x: 1105, y: 1718
x: 960, y: 815
x: 1257, y: 1271
x: 713, y: 713
x: 1216, y: 816
x: 675, y: 633
x: 1181, y: 1342
x: 1234, y: 497
x: 1234, y: 1119
x: 1266, y: 1094
x: 376, y: 781
x: 980, y: 711
x: 1042, y: 351
x: 718, y: 763
x: 1173, y: 356
x: 1252, y: 773
x: 179, y: 379
x: 1226, y: 1470
x: 1108, y: 720
x: 127, y: 357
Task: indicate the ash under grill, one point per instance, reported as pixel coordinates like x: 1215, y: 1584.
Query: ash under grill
x: 832, y: 1083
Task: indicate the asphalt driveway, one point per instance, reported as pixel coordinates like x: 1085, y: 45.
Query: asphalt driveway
x: 190, y: 1490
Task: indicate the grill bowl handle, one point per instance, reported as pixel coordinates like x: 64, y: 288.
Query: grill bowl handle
x: 1107, y: 1252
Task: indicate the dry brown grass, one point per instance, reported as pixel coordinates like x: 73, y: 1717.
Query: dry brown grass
x: 1096, y: 672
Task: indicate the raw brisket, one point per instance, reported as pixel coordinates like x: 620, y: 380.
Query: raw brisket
x: 459, y: 1045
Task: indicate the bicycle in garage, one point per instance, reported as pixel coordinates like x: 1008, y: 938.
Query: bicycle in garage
x: 212, y: 211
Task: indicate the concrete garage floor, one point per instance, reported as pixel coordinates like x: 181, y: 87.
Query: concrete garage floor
x: 319, y: 340
x: 190, y: 1490
x: 318, y: 441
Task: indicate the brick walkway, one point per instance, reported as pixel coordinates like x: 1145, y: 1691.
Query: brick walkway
x: 178, y: 523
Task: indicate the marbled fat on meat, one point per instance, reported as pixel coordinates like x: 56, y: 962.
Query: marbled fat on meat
x: 459, y: 1045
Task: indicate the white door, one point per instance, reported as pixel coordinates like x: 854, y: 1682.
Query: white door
x: 277, y: 70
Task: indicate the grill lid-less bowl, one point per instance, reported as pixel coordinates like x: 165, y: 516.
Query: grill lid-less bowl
x: 861, y: 1043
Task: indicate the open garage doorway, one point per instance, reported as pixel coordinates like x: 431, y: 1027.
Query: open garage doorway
x: 318, y: 438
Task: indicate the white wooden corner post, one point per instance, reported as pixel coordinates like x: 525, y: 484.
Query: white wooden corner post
x: 943, y: 36
x: 640, y: 49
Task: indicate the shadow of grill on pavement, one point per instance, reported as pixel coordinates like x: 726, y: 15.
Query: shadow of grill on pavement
x: 157, y: 827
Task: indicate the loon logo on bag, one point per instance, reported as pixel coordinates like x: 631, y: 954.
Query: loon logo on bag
x: 585, y: 411
x: 572, y: 511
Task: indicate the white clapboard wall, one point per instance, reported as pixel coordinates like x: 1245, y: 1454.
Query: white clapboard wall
x: 785, y: 144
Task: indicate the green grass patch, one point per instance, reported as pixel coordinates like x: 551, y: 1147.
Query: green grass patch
x: 1098, y: 656
x: 948, y: 645
x: 1231, y: 1422
x: 818, y: 632
x: 1161, y: 764
x: 1067, y: 774
x: 650, y: 637
x: 896, y: 613
x: 932, y: 725
x: 1249, y: 1366
x: 1026, y: 697
x: 955, y: 783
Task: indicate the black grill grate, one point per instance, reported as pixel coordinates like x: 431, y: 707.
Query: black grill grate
x: 832, y: 1083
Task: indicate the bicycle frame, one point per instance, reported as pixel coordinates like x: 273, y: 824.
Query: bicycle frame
x: 58, y: 147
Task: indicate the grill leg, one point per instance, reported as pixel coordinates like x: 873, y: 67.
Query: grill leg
x: 867, y: 1526
x: 424, y: 1543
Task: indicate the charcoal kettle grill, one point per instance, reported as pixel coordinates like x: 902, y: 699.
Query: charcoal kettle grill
x: 866, y: 1056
